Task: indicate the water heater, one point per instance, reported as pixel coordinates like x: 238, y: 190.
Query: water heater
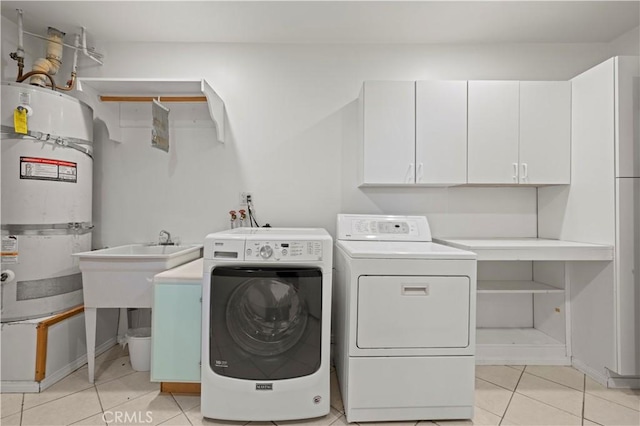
x: 47, y: 175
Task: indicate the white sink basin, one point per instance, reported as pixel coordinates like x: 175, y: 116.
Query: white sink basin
x: 172, y: 255
x: 122, y: 276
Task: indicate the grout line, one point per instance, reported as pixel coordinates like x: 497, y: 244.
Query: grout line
x: 180, y: 407
x: 612, y: 402
x: 21, y: 410
x: 495, y: 384
x: 99, y: 400
x: 553, y: 406
x: 513, y: 393
x: 584, y: 392
x: 557, y: 383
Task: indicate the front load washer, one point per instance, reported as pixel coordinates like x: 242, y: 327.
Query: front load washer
x: 266, y: 318
x: 404, y: 321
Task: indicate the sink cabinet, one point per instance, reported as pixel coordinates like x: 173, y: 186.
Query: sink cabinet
x: 177, y: 324
x: 175, y: 354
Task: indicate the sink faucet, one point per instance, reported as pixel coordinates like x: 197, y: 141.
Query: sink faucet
x: 164, y: 239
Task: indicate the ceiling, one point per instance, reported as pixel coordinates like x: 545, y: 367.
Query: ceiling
x: 334, y: 21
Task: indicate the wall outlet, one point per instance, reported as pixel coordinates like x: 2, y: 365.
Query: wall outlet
x: 244, y: 196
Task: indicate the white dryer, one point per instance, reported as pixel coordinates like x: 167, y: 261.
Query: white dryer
x: 266, y: 314
x: 404, y: 321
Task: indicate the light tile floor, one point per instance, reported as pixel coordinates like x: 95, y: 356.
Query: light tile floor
x: 505, y: 395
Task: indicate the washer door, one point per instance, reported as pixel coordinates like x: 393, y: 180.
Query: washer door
x: 265, y: 322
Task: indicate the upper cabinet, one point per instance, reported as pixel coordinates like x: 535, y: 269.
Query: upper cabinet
x: 388, y: 113
x: 545, y: 132
x: 413, y: 133
x: 441, y: 132
x: 519, y: 132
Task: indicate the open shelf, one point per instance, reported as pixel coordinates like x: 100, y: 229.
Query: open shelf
x: 516, y: 287
x: 531, y: 249
x: 124, y: 89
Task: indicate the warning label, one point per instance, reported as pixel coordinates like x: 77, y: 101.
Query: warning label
x: 48, y: 169
x: 9, y: 249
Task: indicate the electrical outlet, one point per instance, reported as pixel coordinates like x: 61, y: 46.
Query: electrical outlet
x: 244, y: 196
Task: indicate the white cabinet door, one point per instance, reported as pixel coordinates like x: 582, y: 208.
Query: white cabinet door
x: 493, y: 132
x: 441, y: 132
x: 388, y: 132
x: 545, y: 132
x: 627, y: 116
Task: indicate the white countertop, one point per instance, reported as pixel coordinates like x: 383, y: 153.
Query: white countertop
x: 189, y: 272
x: 530, y: 249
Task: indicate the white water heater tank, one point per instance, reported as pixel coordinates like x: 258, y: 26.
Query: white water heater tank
x: 47, y: 177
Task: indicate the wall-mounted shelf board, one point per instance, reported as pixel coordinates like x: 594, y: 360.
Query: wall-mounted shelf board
x: 531, y: 249
x: 143, y: 90
x: 516, y: 287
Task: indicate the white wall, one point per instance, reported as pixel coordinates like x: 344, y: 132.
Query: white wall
x: 291, y: 137
x: 627, y: 44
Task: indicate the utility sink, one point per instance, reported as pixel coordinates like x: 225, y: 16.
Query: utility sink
x: 122, y: 276
x: 167, y: 256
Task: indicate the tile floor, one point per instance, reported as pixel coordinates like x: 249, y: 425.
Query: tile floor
x: 535, y: 395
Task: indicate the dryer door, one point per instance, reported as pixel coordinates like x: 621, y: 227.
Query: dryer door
x: 413, y: 312
x: 265, y: 322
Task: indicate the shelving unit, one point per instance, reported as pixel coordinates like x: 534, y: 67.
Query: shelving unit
x: 96, y: 91
x: 516, y: 286
x: 531, y: 249
x: 523, y: 297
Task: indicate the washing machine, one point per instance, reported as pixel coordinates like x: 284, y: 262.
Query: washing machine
x: 404, y: 321
x: 266, y: 319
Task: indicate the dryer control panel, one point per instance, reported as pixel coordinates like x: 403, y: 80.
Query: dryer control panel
x: 383, y: 228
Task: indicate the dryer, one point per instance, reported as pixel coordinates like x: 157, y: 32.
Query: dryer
x: 266, y: 311
x: 404, y: 321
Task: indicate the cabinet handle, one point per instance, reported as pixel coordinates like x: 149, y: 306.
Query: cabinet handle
x: 415, y: 290
x: 525, y: 172
x: 410, y: 178
x: 420, y: 173
x: 515, y: 172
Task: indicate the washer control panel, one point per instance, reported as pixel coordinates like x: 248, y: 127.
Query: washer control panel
x: 270, y: 250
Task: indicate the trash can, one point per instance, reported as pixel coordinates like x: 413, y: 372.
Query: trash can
x: 139, y: 341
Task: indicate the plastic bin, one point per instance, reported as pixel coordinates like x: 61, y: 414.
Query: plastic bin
x: 139, y: 341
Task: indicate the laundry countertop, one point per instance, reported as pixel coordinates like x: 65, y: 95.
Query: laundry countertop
x: 189, y: 273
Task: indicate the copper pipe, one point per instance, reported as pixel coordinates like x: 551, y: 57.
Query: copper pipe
x: 70, y: 84
x: 30, y: 73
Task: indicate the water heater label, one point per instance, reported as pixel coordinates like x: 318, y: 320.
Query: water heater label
x: 48, y: 169
x: 9, y: 249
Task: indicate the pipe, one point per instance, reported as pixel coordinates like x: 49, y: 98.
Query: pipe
x: 72, y: 82
x: 51, y: 64
x: 31, y: 73
x: 84, y: 46
x: 18, y: 55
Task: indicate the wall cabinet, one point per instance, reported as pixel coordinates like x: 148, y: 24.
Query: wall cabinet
x: 441, y: 132
x: 519, y: 132
x: 414, y: 132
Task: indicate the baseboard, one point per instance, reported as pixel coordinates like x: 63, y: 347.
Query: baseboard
x: 21, y: 386
x: 598, y: 376
x: 523, y: 361
x: 56, y: 376
x: 24, y: 386
x: 176, y: 387
x: 623, y: 382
